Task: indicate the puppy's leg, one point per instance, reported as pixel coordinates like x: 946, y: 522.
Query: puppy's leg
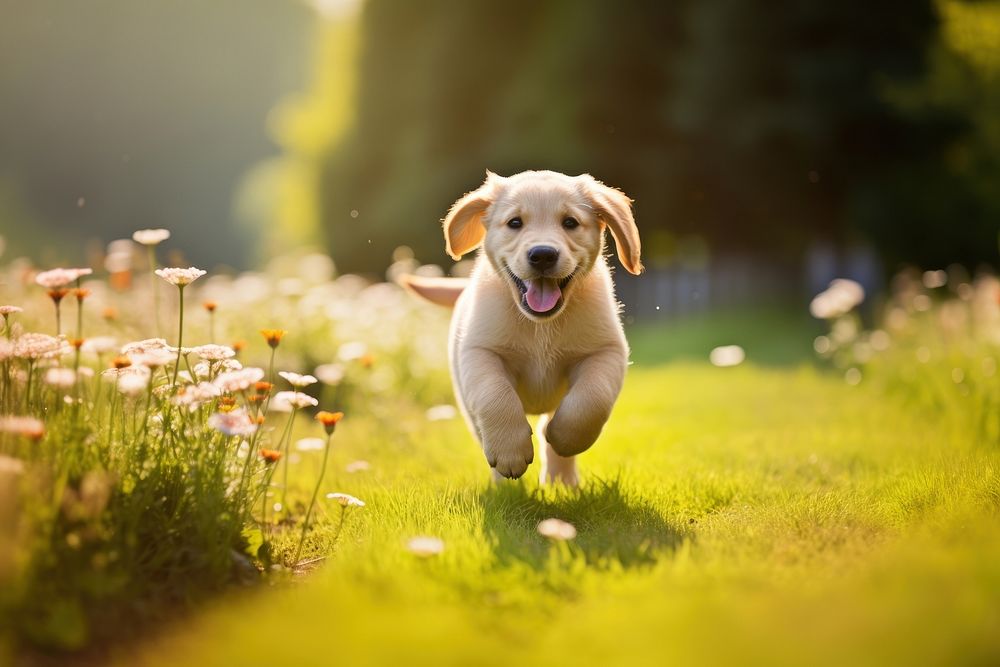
x: 593, y: 388
x: 496, y: 412
x: 555, y: 468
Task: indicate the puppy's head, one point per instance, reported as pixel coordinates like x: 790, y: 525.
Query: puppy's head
x: 543, y: 232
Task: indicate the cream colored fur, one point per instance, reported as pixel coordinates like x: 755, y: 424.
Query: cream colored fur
x: 507, y: 363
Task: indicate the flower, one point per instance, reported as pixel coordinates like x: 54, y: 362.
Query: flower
x: 140, y: 346
x: 81, y: 293
x: 213, y: 352
x: 270, y: 455
x: 133, y: 384
x: 557, y: 529
x: 58, y: 294
x: 150, y: 237
x: 60, y: 277
x: 10, y: 466
x: 153, y: 357
x: 60, y: 377
x: 425, y: 546
x: 838, y: 299
x: 233, y: 381
x: 180, y: 277
x: 357, y: 466
x: 10, y: 310
x: 352, y: 350
x: 330, y: 374
x: 194, y: 396
x: 285, y: 401
x: 210, y: 306
x: 310, y: 444
x: 297, y: 380
x: 273, y: 336
x: 263, y: 387
x: 39, y: 346
x: 345, y: 499
x: 329, y: 420
x: 441, y: 412
x: 99, y: 345
x: 727, y: 355
x: 235, y: 422
x: 29, y: 427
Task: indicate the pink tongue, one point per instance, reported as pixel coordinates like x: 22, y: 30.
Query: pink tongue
x: 542, y: 295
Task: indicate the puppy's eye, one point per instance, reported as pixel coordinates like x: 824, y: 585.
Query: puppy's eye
x: 514, y: 223
x: 571, y: 223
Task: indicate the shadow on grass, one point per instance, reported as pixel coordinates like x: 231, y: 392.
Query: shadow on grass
x: 614, y: 528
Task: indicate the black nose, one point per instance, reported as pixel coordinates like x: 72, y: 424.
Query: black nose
x: 543, y: 257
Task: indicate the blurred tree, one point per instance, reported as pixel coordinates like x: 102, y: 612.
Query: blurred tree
x: 119, y: 115
x: 944, y: 205
x: 743, y: 124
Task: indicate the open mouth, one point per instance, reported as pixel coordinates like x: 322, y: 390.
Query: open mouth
x: 541, y: 296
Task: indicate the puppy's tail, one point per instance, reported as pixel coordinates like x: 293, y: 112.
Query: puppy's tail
x: 442, y: 291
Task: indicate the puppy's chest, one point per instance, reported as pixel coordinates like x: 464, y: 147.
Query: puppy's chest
x: 541, y: 380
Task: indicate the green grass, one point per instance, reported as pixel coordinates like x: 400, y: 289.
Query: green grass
x: 751, y: 515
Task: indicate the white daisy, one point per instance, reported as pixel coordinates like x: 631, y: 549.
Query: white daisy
x: 297, y: 380
x: 557, y: 529
x: 149, y: 237
x: 60, y: 277
x: 284, y: 401
x: 237, y: 422
x: 425, y: 546
x: 179, y: 276
x: 233, y: 381
x: 346, y: 499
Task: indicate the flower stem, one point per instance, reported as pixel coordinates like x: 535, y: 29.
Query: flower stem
x: 79, y: 311
x: 283, y: 446
x: 312, y: 502
x: 153, y: 284
x: 180, y: 335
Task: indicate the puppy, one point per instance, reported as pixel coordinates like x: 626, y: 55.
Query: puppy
x: 536, y: 328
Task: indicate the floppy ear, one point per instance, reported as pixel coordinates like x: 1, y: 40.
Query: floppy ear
x: 463, y: 226
x: 615, y: 210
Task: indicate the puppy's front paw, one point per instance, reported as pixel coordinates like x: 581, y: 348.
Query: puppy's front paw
x: 510, y: 456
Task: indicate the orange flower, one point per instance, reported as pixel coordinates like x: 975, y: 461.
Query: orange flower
x: 270, y: 455
x: 77, y: 343
x: 120, y: 280
x: 210, y: 306
x: 238, y: 345
x: 121, y: 362
x: 81, y: 293
x: 58, y: 294
x: 110, y: 313
x: 329, y: 420
x: 273, y: 336
x: 367, y: 360
x: 260, y: 419
x: 263, y: 387
x: 256, y: 398
x: 227, y: 402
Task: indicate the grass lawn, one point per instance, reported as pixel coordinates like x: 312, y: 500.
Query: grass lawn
x: 769, y: 515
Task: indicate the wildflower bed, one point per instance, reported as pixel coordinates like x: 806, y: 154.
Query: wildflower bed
x: 838, y: 515
x: 139, y: 475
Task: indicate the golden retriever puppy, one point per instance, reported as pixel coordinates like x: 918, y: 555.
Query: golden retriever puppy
x: 536, y: 328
